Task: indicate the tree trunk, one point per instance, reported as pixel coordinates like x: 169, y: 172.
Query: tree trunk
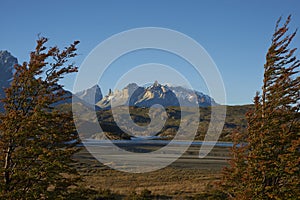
x: 7, y: 166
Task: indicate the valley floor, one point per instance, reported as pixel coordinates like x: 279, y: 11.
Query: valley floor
x: 186, y: 177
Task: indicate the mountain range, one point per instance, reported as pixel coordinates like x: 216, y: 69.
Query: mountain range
x: 140, y: 98
x: 131, y: 95
x: 134, y: 95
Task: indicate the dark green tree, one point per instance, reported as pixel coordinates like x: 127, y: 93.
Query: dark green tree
x: 35, y: 153
x: 268, y: 166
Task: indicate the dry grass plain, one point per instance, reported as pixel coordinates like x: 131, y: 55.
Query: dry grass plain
x: 186, y: 178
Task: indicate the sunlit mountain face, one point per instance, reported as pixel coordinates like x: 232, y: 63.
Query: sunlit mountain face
x: 165, y: 95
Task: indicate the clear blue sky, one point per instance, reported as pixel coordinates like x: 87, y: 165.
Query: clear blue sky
x: 235, y: 33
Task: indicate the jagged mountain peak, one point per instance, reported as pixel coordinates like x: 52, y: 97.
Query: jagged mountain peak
x: 7, y: 62
x: 6, y: 58
x: 131, y: 86
x: 158, y: 87
x: 91, y: 95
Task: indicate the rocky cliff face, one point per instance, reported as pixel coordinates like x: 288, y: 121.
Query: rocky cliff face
x: 157, y: 94
x: 7, y: 62
x: 127, y: 96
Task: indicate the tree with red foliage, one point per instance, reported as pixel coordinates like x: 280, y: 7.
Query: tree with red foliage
x: 266, y: 160
x: 34, y: 152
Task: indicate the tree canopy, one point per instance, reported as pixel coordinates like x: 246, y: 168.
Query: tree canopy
x: 266, y: 160
x: 35, y: 153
